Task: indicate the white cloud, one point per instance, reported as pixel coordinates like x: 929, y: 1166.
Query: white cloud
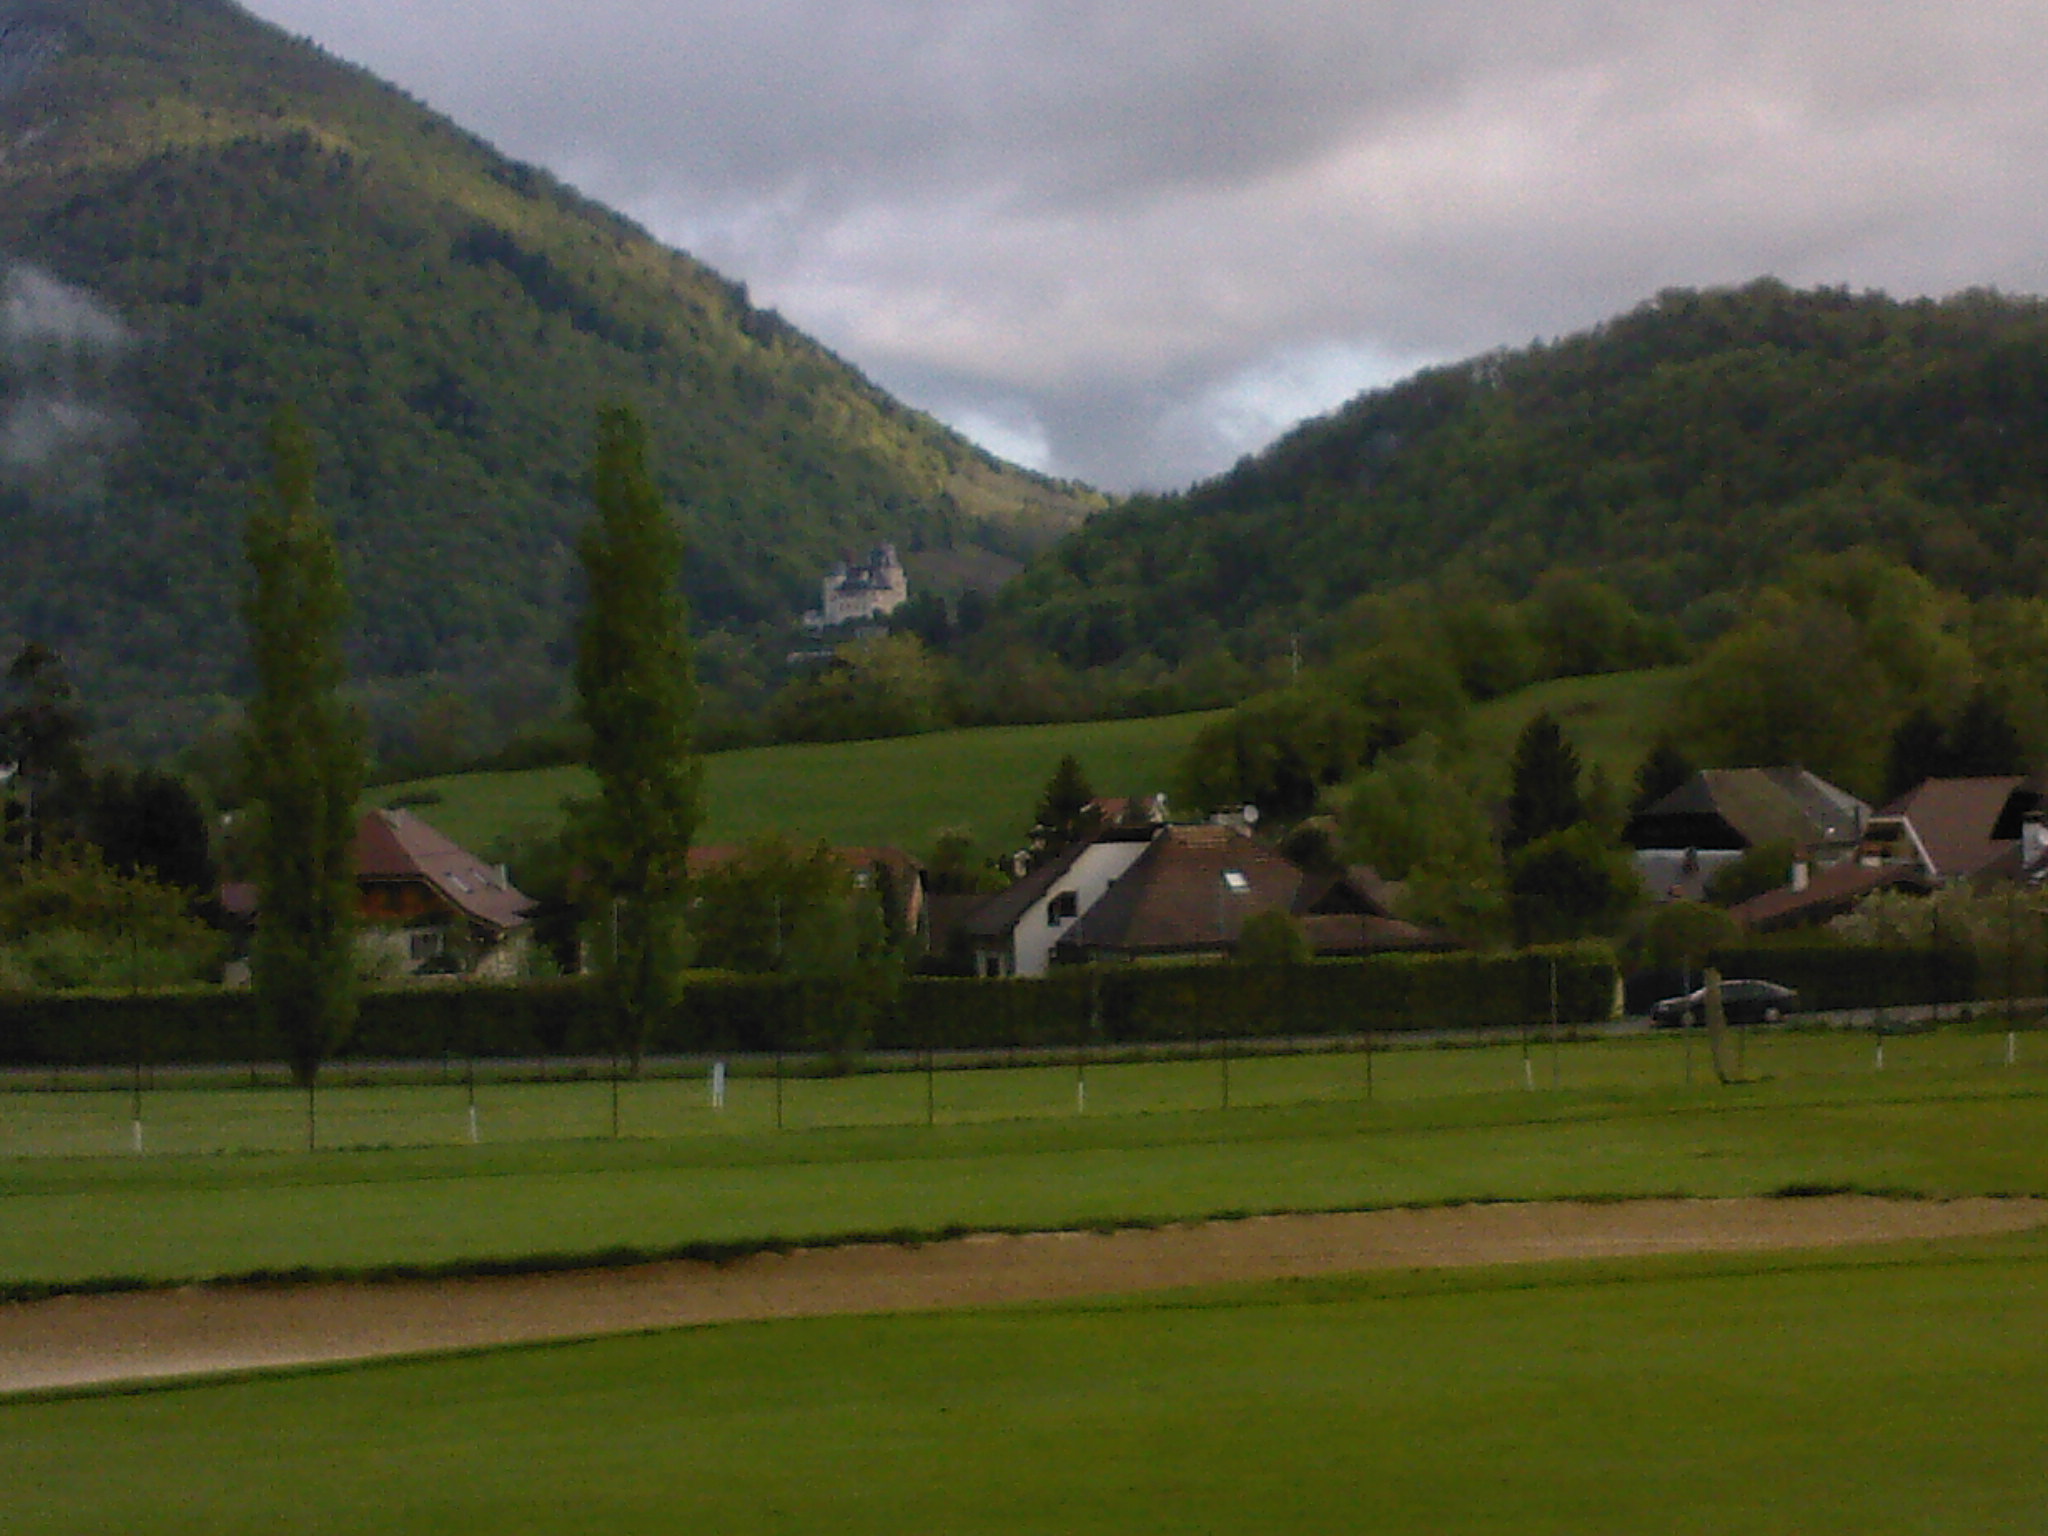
x: 1109, y: 215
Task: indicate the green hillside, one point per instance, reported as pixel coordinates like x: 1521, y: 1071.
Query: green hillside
x: 1612, y: 720
x: 899, y: 792
x: 1685, y: 452
x: 201, y: 217
x: 903, y: 791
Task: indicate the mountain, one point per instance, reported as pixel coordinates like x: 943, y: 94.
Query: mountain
x: 1686, y: 452
x: 201, y: 217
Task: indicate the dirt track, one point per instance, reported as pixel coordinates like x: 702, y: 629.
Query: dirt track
x: 74, y: 1341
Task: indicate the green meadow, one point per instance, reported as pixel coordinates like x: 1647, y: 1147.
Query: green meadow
x: 1866, y: 1391
x: 902, y: 791
x: 1006, y: 1148
x: 1863, y: 1393
x: 1612, y: 719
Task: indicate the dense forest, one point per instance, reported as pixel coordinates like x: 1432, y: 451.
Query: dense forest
x: 201, y: 217
x: 1686, y: 453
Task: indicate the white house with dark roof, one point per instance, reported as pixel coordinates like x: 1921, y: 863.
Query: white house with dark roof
x: 1719, y: 814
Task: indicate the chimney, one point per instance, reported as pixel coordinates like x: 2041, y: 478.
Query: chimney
x: 1802, y: 873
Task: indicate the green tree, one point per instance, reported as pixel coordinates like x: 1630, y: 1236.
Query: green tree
x: 1544, y: 796
x: 71, y: 921
x: 1571, y: 885
x: 1278, y: 751
x: 1683, y: 933
x: 745, y: 910
x: 637, y: 696
x: 1063, y: 814
x: 888, y: 685
x: 1273, y: 937
x: 42, y: 738
x: 1766, y: 867
x: 1662, y: 771
x: 1412, y: 812
x: 302, y: 763
x: 151, y: 823
x: 1983, y: 741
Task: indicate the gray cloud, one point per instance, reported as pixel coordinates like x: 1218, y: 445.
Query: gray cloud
x: 1133, y: 236
x: 57, y: 347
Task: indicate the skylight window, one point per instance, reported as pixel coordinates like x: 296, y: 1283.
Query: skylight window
x: 1235, y: 882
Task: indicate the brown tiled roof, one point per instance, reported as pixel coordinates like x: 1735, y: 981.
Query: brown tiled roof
x: 1357, y: 933
x: 1955, y: 820
x: 1174, y: 898
x: 904, y: 866
x: 1828, y: 894
x: 1355, y: 889
x: 398, y: 846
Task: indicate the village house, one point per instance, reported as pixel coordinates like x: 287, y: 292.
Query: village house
x: 1146, y: 890
x: 1981, y: 831
x: 1947, y: 830
x: 1682, y: 840
x: 428, y: 906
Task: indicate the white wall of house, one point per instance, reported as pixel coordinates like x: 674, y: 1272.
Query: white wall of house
x: 1090, y: 878
x: 1662, y: 869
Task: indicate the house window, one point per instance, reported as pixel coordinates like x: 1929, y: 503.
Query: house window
x: 424, y: 943
x: 1063, y: 908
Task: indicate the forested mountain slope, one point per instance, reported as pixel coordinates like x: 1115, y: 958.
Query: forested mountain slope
x: 1685, y: 451
x: 201, y: 217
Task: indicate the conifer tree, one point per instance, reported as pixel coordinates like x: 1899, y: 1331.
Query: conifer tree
x: 1062, y: 816
x: 1545, y: 795
x: 302, y: 758
x: 638, y: 696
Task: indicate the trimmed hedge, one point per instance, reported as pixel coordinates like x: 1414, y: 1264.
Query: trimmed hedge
x: 725, y: 1012
x: 1206, y: 1001
x: 1835, y: 975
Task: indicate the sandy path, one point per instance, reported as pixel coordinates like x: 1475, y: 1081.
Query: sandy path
x: 73, y: 1341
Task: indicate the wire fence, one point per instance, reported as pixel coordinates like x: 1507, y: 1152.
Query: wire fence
x: 167, y: 1111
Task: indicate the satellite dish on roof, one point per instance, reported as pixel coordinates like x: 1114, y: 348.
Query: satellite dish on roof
x: 1251, y: 815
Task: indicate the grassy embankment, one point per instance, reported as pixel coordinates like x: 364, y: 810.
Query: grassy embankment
x: 903, y: 791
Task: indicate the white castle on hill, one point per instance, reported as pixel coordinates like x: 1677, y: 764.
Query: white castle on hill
x: 852, y: 593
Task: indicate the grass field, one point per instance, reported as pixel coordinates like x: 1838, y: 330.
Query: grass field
x: 1876, y: 1391
x: 1612, y: 720
x: 905, y: 790
x: 1856, y: 1394
x: 1009, y: 1150
x: 899, y: 792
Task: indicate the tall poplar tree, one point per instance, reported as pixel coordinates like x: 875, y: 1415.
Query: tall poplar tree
x: 302, y: 759
x: 638, y: 697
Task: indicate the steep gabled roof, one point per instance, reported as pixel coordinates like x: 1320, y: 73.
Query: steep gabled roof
x: 1747, y: 807
x: 1955, y: 821
x: 997, y: 915
x: 1175, y: 898
x: 1346, y: 933
x: 398, y: 846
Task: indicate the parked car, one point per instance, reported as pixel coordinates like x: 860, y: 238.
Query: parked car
x: 1744, y: 1002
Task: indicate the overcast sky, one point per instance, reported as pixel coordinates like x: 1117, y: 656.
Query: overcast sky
x: 1128, y: 240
